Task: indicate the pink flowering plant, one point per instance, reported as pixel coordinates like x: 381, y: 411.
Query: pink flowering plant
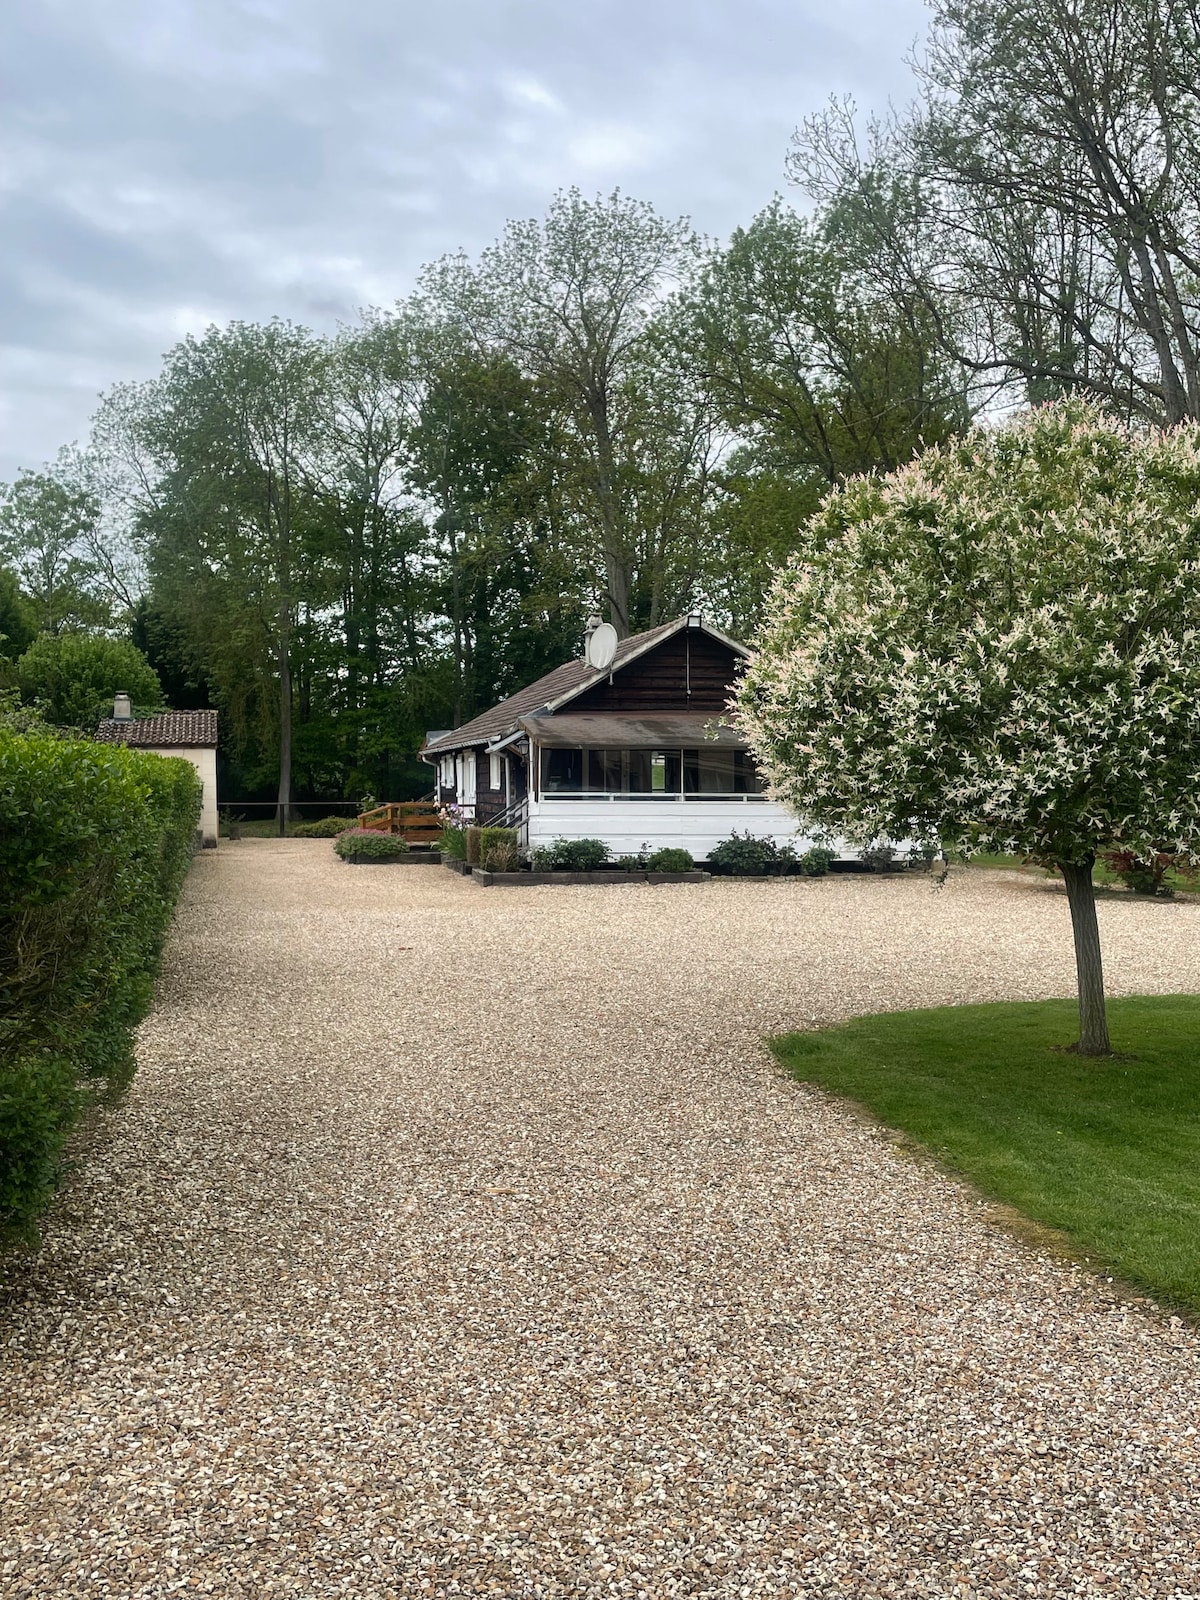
x: 454, y: 821
x: 997, y: 648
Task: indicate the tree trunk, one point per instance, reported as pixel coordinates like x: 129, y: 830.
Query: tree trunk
x: 1081, y: 897
x: 284, y: 807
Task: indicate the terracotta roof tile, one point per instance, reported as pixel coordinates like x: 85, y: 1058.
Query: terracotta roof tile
x: 173, y: 729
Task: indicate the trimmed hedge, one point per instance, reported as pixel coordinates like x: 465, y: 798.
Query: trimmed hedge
x: 95, y: 841
x: 498, y: 850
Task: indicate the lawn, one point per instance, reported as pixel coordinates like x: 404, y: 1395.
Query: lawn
x: 1102, y: 876
x: 1107, y: 1151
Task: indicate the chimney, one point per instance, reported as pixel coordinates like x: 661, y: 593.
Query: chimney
x: 122, y: 711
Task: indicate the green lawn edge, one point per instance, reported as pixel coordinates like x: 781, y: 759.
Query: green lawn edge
x: 1104, y: 1152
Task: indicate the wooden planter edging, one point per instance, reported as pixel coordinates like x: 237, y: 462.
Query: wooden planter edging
x: 497, y: 880
x: 393, y: 861
x: 456, y: 865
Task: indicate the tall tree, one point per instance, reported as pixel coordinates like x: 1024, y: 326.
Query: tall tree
x: 47, y: 521
x: 234, y: 422
x: 17, y: 628
x: 810, y: 357
x: 478, y: 455
x: 1057, y: 156
x: 569, y: 300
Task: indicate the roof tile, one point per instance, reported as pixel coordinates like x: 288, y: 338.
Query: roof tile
x: 173, y: 729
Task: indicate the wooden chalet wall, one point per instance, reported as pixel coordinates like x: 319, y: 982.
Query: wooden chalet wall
x: 489, y: 802
x: 658, y: 681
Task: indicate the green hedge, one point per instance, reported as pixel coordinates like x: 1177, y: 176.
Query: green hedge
x: 499, y: 850
x: 95, y: 841
x: 324, y: 828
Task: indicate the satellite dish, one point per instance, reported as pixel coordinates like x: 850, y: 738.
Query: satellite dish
x: 601, y: 646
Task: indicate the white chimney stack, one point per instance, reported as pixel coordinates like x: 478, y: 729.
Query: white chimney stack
x: 122, y: 710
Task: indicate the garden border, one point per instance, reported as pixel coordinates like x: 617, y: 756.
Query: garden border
x: 516, y: 879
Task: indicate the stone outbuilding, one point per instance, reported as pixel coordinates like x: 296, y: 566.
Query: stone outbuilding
x: 190, y: 734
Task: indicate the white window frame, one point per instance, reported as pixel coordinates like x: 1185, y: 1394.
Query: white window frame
x: 466, y: 778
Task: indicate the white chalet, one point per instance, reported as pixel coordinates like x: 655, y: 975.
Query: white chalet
x: 629, y: 752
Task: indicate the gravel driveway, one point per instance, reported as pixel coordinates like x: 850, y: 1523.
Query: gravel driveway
x: 459, y: 1242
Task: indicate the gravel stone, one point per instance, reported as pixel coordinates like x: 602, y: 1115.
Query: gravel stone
x: 461, y: 1243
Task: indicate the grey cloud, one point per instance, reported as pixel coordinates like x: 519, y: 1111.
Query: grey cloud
x: 176, y: 162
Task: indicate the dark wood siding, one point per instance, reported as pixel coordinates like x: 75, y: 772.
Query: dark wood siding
x: 659, y: 680
x: 489, y: 802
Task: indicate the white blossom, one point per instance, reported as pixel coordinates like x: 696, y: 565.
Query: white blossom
x: 996, y: 647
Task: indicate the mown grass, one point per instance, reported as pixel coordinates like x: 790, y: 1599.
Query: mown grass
x: 1107, y: 1151
x: 1102, y: 876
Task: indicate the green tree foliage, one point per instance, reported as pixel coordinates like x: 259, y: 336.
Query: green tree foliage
x: 572, y: 302
x: 812, y: 360
x: 72, y: 678
x: 994, y: 648
x: 47, y: 523
x: 345, y: 542
x: 17, y: 627
x: 477, y: 454
x: 235, y: 427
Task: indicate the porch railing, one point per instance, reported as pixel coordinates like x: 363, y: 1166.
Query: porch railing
x: 417, y: 820
x: 658, y: 796
x: 515, y: 815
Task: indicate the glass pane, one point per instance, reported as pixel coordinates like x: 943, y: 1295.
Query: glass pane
x: 640, y: 778
x: 562, y: 770
x: 716, y: 769
x: 745, y: 774
x: 604, y: 771
x: 664, y: 771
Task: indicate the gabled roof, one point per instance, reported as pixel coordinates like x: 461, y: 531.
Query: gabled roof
x: 173, y: 729
x: 564, y: 684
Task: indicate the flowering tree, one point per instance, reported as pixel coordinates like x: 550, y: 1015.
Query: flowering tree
x: 997, y: 648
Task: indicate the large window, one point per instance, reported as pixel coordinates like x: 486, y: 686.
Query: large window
x: 716, y: 769
x: 562, y: 771
x: 714, y: 772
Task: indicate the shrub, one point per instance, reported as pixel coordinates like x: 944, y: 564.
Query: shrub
x: 95, y: 841
x: 878, y: 857
x: 323, y: 828
x: 498, y: 850
x: 670, y: 859
x: 74, y: 677
x: 368, y: 844
x: 580, y: 855
x: 571, y: 855
x: 473, y: 845
x: 1143, y: 876
x: 744, y: 856
x: 816, y: 862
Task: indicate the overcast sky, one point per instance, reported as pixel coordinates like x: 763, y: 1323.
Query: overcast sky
x: 173, y: 163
